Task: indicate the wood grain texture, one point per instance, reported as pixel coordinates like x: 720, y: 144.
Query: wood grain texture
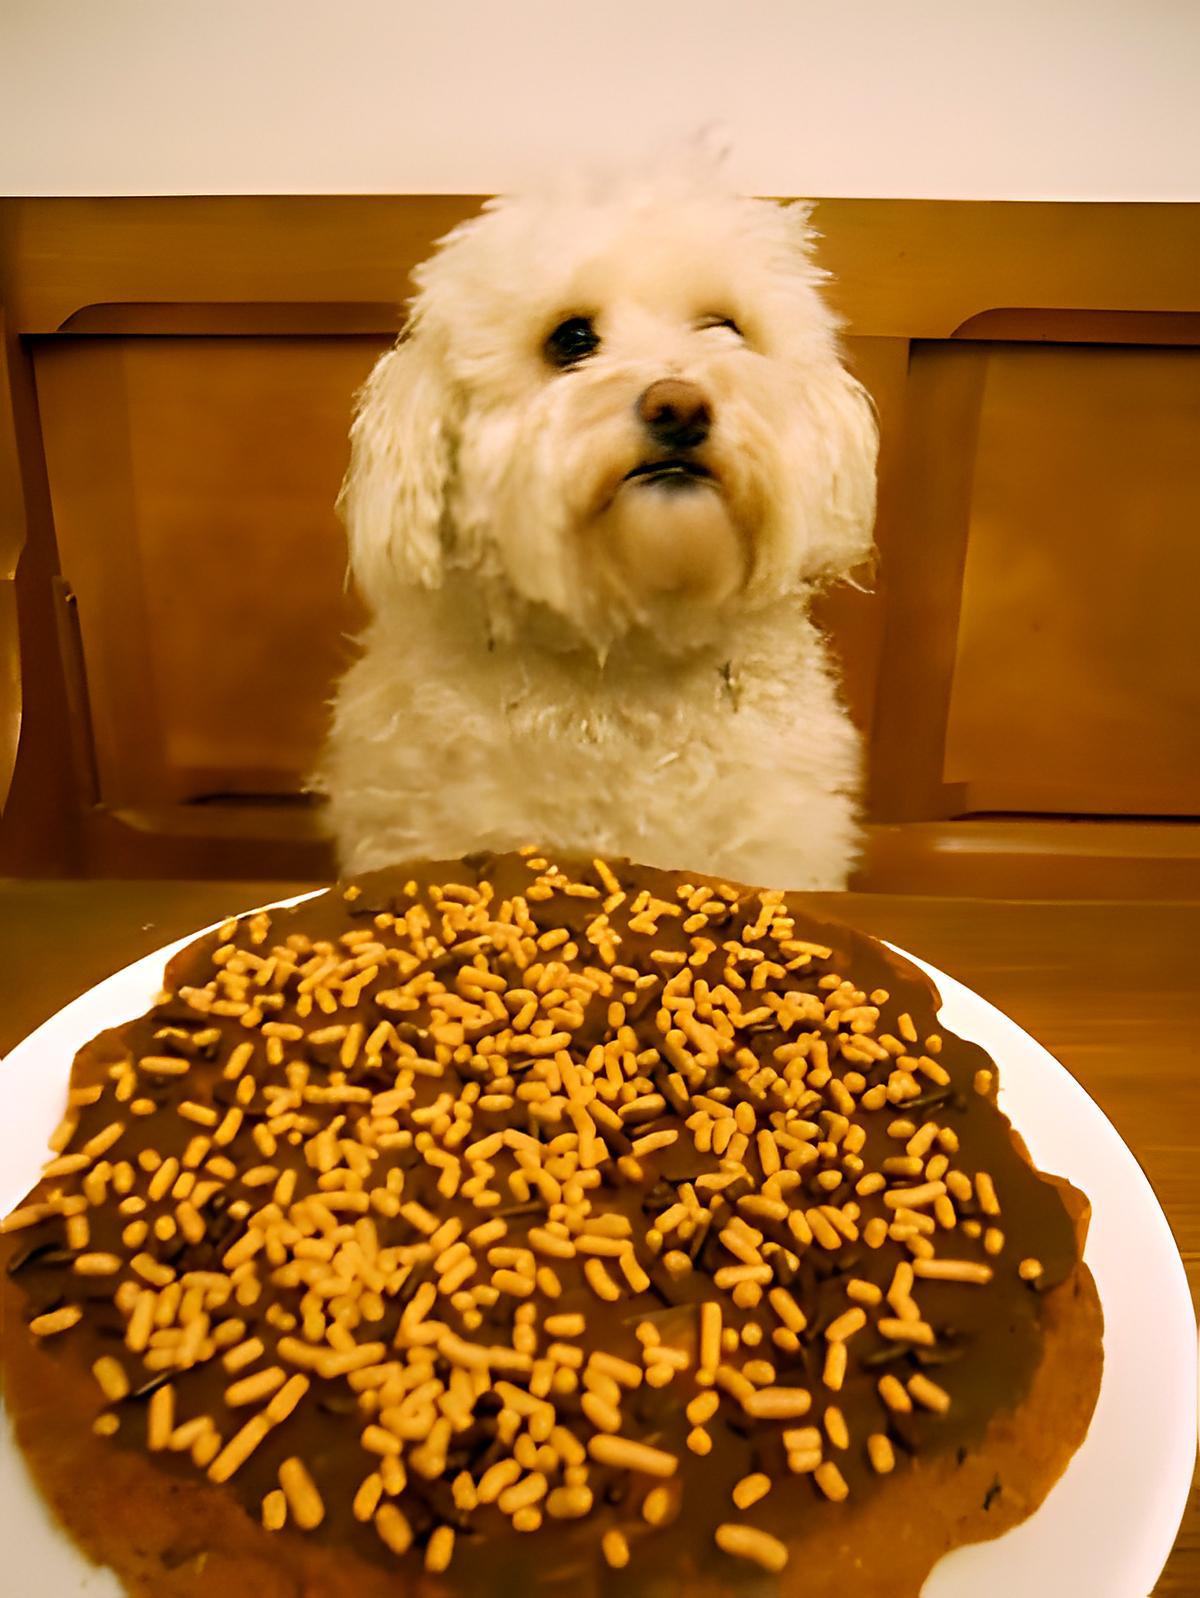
x: 213, y: 620
x: 1109, y: 988
x: 1074, y: 682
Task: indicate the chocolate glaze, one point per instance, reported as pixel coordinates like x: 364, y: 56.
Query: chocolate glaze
x: 989, y: 1338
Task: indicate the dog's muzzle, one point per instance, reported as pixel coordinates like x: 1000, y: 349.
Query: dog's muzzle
x: 677, y: 417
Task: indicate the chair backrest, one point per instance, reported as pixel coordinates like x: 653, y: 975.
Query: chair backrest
x: 176, y: 390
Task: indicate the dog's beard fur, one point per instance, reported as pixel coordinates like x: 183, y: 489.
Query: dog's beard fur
x: 473, y: 453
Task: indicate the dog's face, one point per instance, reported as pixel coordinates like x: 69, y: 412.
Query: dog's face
x: 629, y: 409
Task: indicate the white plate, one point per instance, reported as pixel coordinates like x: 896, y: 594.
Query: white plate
x: 1104, y: 1531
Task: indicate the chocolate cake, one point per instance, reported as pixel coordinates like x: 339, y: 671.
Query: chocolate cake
x: 534, y: 1225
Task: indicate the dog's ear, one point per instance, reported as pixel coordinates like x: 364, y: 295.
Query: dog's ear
x: 402, y: 446
x: 842, y: 434
x: 840, y: 509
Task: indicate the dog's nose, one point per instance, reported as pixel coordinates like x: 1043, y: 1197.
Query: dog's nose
x: 675, y: 413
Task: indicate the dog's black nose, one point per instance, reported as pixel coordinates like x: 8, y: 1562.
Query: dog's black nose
x: 675, y: 413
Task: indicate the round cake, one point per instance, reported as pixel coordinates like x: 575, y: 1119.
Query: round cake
x: 542, y: 1225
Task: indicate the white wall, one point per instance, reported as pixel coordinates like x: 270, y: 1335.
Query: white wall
x: 1055, y: 99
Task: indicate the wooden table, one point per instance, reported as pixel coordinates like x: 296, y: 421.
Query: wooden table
x: 1110, y: 988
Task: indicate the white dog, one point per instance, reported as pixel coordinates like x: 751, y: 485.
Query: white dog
x: 590, y: 493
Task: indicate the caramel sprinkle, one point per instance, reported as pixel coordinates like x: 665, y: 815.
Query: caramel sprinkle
x: 744, y: 1542
x: 303, y: 1499
x: 531, y: 1190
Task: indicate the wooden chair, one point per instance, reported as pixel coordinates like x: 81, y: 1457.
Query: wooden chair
x: 176, y: 385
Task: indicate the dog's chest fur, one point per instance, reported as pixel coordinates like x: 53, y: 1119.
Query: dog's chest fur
x: 736, y: 759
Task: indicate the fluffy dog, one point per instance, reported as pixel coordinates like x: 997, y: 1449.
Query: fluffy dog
x: 590, y: 493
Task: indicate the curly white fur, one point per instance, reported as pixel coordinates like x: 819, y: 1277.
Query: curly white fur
x: 559, y: 652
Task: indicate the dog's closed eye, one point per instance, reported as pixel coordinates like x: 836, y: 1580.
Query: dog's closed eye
x: 572, y: 341
x: 706, y: 322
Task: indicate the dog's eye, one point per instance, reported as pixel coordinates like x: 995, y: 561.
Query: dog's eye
x: 571, y: 342
x: 706, y: 322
